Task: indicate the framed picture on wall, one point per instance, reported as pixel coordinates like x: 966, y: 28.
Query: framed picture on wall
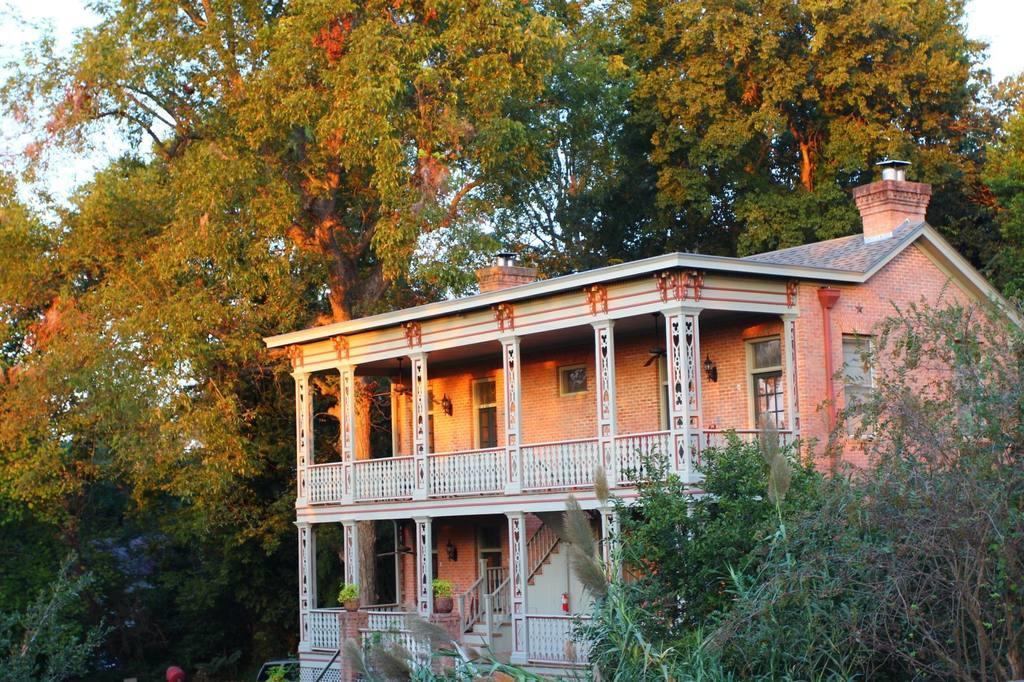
x: 572, y: 379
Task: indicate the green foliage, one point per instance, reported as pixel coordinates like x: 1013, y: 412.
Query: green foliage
x: 681, y: 548
x: 1004, y: 174
x: 348, y: 592
x: 46, y: 641
x: 765, y: 113
x: 909, y: 569
x: 290, y: 164
x: 441, y: 587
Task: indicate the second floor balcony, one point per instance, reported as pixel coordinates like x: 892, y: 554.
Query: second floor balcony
x: 479, y: 422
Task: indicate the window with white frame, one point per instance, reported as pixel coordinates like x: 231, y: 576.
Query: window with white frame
x: 765, y: 357
x: 858, y: 381
x: 485, y: 407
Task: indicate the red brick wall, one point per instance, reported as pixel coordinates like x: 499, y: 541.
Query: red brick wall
x: 550, y: 416
x: 727, y: 402
x: 908, y: 278
x: 465, y: 569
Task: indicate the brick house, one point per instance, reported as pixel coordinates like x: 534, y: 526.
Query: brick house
x: 498, y: 405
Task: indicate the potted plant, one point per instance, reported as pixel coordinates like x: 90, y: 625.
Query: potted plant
x: 349, y: 597
x: 442, y: 596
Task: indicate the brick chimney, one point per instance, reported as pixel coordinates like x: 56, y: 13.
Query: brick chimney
x: 504, y: 273
x: 885, y: 204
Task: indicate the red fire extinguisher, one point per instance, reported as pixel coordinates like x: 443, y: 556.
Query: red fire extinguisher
x: 565, y: 602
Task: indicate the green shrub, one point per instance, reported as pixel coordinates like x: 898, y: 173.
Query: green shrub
x: 442, y: 588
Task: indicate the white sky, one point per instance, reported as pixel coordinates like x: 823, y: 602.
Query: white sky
x: 997, y: 22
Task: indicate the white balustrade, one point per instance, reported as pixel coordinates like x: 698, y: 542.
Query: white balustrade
x: 388, y: 628
x: 718, y: 438
x: 381, y: 621
x: 633, y: 449
x: 563, y: 464
x: 495, y: 577
x: 325, y: 483
x: 550, y: 640
x: 389, y: 478
x: 472, y: 472
x: 387, y: 639
x: 323, y: 629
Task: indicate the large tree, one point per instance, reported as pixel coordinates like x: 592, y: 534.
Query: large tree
x: 764, y: 112
x: 289, y: 160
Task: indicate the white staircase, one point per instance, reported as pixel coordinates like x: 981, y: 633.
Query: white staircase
x: 484, y: 609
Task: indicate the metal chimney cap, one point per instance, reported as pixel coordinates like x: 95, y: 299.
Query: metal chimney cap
x: 505, y: 259
x: 893, y: 169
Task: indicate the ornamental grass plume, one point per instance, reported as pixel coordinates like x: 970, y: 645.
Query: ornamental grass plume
x: 429, y: 633
x: 583, y: 549
x: 601, y: 489
x: 780, y: 473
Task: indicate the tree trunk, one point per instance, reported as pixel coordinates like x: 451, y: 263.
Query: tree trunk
x: 807, y: 165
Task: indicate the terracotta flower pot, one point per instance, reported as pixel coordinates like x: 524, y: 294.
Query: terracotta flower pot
x: 443, y: 604
x: 351, y: 605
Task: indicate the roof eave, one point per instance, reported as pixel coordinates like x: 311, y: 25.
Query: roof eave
x: 560, y: 284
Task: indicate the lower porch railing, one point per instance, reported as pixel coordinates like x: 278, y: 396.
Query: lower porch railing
x: 559, y: 465
x: 324, y: 628
x: 549, y: 640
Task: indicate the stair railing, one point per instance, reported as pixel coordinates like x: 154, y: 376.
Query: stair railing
x: 469, y: 603
x: 539, y: 547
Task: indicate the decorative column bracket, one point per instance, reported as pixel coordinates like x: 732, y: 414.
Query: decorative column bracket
x: 792, y: 392
x: 350, y: 544
x: 518, y: 576
x: 420, y: 425
x: 303, y: 436
x: 510, y: 368
x: 682, y: 346
x: 346, y: 426
x: 610, y: 543
x: 424, y: 567
x: 307, y: 582
x: 604, y: 368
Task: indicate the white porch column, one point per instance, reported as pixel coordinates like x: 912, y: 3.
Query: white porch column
x: 420, y: 425
x: 518, y: 570
x: 510, y: 367
x: 610, y: 542
x: 424, y: 567
x: 682, y: 347
x: 346, y: 428
x: 303, y: 436
x: 792, y: 395
x: 307, y: 581
x: 604, y: 369
x: 350, y: 544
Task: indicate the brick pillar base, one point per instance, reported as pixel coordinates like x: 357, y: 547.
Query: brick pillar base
x: 450, y: 623
x: 349, y: 625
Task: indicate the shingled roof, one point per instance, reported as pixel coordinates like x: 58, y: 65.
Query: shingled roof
x: 851, y: 253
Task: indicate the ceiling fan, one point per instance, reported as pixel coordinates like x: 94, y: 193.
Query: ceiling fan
x: 655, y: 352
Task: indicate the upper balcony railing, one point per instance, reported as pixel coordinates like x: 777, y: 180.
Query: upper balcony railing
x: 554, y: 466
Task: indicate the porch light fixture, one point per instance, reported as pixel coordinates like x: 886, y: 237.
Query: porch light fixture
x: 453, y: 551
x: 446, y: 405
x: 710, y: 369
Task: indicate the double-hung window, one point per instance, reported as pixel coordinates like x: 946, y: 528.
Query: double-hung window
x: 858, y: 381
x: 766, y: 383
x: 485, y: 405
